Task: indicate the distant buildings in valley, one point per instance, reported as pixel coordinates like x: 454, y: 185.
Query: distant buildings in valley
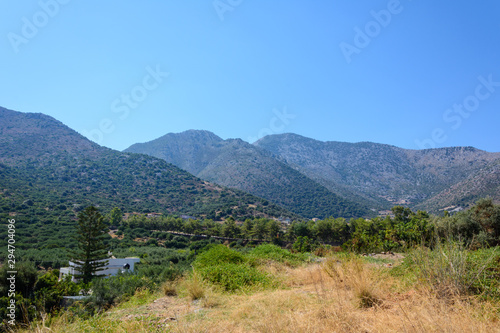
x: 113, y: 267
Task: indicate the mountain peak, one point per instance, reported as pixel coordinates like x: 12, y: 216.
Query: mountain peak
x: 238, y: 164
x: 190, y: 135
x: 34, y: 135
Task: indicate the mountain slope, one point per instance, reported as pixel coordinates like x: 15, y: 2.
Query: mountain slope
x: 237, y: 164
x: 35, y: 136
x: 484, y: 183
x: 57, y: 169
x: 381, y: 173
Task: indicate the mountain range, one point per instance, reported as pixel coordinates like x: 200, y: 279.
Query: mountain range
x: 363, y: 177
x: 237, y: 164
x: 48, y: 170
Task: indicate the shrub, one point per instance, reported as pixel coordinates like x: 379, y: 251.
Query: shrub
x: 26, y: 278
x: 349, y: 271
x: 233, y: 277
x: 267, y: 252
x: 216, y: 255
x: 452, y: 270
x: 302, y: 244
x: 169, y: 288
x: 106, y: 292
x: 231, y: 270
x: 194, y: 286
x: 49, y: 291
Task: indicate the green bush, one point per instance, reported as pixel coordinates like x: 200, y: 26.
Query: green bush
x: 233, y: 277
x: 108, y: 291
x: 270, y: 252
x: 452, y: 270
x: 217, y: 255
x: 25, y: 311
x: 233, y: 271
x: 26, y: 278
x: 302, y: 244
x: 162, y: 273
x: 49, y: 291
x: 485, y: 272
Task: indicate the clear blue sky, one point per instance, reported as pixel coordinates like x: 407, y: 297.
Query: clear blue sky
x: 382, y: 71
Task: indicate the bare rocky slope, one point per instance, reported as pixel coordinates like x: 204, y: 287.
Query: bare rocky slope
x: 289, y: 169
x: 387, y: 174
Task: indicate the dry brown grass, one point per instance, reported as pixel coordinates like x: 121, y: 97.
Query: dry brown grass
x: 355, y: 275
x: 169, y: 288
x: 328, y: 298
x: 323, y: 297
x: 193, y: 286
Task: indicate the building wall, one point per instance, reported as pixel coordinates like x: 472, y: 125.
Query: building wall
x: 111, y: 269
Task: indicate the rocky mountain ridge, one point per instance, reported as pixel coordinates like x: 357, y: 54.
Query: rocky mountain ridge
x: 373, y: 175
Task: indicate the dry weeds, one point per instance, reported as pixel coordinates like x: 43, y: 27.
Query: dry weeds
x: 325, y: 297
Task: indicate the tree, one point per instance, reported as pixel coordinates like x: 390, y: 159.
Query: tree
x: 230, y: 229
x: 487, y: 215
x: 401, y: 214
x: 259, y: 229
x: 302, y: 244
x: 340, y: 230
x: 116, y: 217
x: 324, y: 230
x: 302, y: 229
x: 247, y: 227
x: 91, y: 254
x: 273, y: 230
x: 192, y: 226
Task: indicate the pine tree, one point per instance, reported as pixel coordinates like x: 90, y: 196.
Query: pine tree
x: 91, y: 254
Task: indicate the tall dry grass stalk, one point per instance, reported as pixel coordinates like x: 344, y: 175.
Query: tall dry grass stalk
x: 353, y: 274
x: 169, y: 288
x: 193, y: 286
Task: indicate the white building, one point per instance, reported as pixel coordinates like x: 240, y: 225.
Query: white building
x: 112, y: 268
